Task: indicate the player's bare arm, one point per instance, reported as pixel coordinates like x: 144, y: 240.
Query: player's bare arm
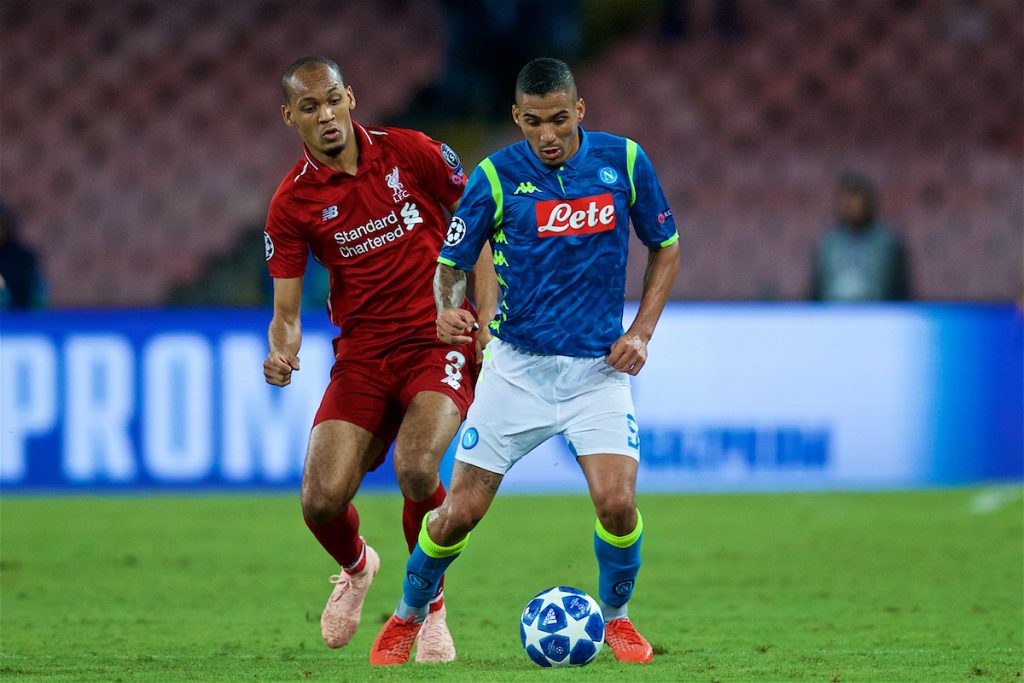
x: 284, y: 333
x: 629, y: 352
x: 485, y: 294
x: 453, y: 322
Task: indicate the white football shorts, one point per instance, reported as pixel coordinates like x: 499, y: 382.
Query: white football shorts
x: 523, y: 398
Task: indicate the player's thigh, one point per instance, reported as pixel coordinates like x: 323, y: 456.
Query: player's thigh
x: 602, y: 431
x: 357, y: 419
x: 430, y: 423
x: 514, y: 410
x: 339, y: 455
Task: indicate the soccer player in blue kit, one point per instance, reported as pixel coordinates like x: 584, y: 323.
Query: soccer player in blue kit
x: 556, y: 208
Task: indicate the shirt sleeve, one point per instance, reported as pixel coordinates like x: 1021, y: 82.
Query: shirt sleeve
x: 472, y: 224
x: 285, y: 247
x: 649, y: 210
x: 438, y: 169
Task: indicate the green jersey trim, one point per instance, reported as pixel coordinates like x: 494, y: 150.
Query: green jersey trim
x: 499, y: 197
x: 631, y: 148
x: 671, y: 240
x: 446, y: 261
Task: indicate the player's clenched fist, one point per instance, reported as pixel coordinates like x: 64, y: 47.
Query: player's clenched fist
x: 455, y: 325
x: 628, y: 354
x: 278, y: 368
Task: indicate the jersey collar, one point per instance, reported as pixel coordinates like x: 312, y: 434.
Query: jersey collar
x: 369, y: 150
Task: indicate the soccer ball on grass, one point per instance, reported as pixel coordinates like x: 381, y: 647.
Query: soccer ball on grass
x: 562, y: 626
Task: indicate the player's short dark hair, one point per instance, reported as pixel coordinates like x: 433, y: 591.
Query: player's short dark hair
x: 302, y: 62
x: 545, y: 75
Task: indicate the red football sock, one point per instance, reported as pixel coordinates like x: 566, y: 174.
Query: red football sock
x: 412, y: 521
x: 413, y: 512
x: 340, y: 538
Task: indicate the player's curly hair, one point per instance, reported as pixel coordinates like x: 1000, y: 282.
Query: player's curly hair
x: 301, y: 62
x: 545, y: 75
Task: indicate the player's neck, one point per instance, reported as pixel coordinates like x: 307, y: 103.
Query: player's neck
x: 346, y: 162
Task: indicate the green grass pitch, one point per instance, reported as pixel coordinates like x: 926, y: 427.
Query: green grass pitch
x: 922, y: 586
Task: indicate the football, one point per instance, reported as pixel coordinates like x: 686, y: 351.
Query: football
x: 562, y: 626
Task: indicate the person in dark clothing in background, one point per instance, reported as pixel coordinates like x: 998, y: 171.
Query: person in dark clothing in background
x: 21, y: 282
x: 861, y: 258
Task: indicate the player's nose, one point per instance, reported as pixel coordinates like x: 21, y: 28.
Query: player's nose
x: 326, y: 113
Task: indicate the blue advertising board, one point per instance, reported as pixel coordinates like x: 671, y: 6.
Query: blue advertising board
x: 734, y: 397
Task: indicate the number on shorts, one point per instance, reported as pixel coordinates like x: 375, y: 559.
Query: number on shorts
x: 453, y: 370
x: 633, y: 440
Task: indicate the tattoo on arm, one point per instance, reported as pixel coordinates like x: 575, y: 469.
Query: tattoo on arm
x: 449, y: 287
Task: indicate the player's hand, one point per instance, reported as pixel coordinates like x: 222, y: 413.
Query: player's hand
x: 455, y: 325
x: 278, y: 368
x: 483, y: 338
x: 628, y: 354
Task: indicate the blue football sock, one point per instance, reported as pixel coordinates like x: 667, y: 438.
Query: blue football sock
x: 427, y: 564
x: 618, y: 562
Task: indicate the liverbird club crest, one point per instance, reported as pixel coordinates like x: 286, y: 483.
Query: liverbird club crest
x: 396, y: 186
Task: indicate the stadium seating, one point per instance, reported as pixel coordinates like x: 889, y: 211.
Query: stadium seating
x: 750, y: 136
x: 145, y: 135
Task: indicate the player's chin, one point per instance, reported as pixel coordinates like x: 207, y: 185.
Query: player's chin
x: 333, y: 150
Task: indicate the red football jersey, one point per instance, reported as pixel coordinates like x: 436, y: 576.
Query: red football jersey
x: 378, y: 233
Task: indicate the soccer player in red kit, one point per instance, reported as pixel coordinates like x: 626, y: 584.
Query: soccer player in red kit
x: 370, y: 204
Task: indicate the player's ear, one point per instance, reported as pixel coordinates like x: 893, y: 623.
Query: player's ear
x: 515, y: 113
x: 351, y: 97
x: 286, y: 114
x: 581, y: 108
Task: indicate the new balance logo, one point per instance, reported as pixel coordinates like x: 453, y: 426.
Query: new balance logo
x: 330, y: 213
x: 526, y: 188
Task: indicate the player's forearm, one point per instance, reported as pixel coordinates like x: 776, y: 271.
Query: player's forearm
x: 485, y: 286
x: 285, y: 334
x: 662, y: 265
x: 449, y: 287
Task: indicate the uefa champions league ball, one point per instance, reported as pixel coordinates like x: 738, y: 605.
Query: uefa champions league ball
x: 562, y: 626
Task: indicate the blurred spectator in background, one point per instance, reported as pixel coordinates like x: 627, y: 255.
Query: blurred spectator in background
x: 21, y: 282
x: 861, y: 258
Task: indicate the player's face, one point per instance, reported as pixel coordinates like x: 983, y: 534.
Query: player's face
x: 549, y: 123
x: 320, y: 109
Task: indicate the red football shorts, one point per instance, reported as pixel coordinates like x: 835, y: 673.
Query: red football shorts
x: 374, y: 394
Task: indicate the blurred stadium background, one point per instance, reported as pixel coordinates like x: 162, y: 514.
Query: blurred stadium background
x: 142, y: 140
x: 142, y: 143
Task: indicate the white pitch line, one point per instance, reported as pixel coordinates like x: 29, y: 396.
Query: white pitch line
x: 991, y: 499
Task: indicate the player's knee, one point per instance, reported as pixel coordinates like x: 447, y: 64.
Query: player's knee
x: 617, y: 513
x: 417, y: 482
x: 319, y: 508
x: 453, y: 523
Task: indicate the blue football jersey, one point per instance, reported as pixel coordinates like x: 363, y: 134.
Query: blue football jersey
x: 560, y: 238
